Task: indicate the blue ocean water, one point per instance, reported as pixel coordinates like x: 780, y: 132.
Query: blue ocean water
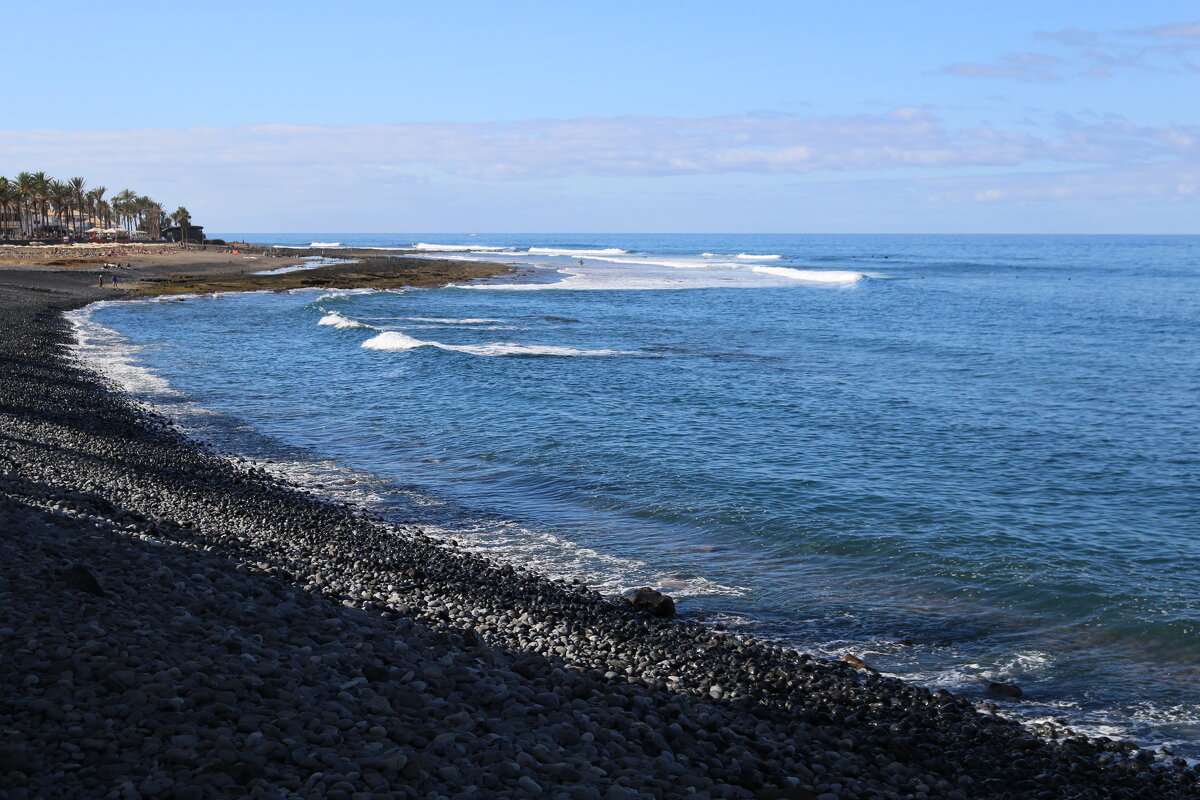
x: 962, y: 458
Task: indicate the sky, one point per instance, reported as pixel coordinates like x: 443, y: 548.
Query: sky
x: 789, y: 117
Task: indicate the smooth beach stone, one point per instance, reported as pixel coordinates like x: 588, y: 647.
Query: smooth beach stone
x: 81, y: 579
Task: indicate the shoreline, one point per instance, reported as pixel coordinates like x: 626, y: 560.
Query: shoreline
x: 154, y: 270
x: 567, y: 681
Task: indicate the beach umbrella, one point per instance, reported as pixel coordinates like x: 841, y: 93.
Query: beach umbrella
x: 96, y: 230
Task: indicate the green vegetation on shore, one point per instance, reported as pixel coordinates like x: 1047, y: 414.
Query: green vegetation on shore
x: 30, y: 201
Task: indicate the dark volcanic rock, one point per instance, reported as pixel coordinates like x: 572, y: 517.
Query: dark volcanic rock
x: 77, y: 577
x: 653, y: 602
x: 858, y: 663
x: 1009, y: 690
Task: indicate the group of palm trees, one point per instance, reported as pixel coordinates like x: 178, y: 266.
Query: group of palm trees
x: 31, y: 200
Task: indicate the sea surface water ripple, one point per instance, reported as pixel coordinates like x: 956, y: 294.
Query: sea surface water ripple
x: 962, y: 458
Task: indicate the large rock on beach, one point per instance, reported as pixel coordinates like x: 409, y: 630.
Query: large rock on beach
x: 78, y: 577
x: 653, y: 602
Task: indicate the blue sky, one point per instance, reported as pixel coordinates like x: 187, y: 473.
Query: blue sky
x: 669, y: 116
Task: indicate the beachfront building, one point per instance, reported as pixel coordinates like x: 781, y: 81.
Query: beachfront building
x: 195, y: 234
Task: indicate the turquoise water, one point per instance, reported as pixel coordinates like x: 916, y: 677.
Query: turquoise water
x: 963, y: 458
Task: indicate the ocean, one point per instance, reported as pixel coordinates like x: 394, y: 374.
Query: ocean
x: 961, y: 458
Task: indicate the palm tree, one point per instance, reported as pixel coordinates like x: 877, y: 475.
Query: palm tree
x: 32, y: 198
x: 123, y: 206
x: 62, y: 198
x: 26, y: 194
x: 182, y: 218
x: 77, y: 185
x: 96, y: 207
x: 8, y: 203
x: 154, y: 218
x: 41, y: 197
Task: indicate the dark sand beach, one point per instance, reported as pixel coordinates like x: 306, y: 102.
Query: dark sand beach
x: 179, y: 624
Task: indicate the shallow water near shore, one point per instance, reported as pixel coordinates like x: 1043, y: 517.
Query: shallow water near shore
x: 960, y: 458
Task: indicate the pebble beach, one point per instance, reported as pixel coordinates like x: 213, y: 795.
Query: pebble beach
x: 179, y: 624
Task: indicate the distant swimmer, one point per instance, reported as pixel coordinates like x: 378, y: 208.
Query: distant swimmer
x: 581, y: 262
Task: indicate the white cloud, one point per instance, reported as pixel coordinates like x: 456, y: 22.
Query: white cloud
x: 1094, y: 54
x: 596, y: 147
x: 540, y: 174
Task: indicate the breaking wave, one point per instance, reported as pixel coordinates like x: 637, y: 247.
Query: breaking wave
x: 457, y: 248
x: 568, y: 251
x: 394, y: 340
x: 811, y: 275
x: 453, y: 321
x: 340, y: 321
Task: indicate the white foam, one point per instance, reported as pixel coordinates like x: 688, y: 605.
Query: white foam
x: 457, y: 248
x: 674, y: 263
x: 513, y: 349
x: 558, y: 557
x: 453, y: 321
x: 811, y: 275
x: 330, y: 295
x: 752, y: 257
x: 575, y: 252
x: 109, y: 353
x: 395, y: 340
x: 310, y: 262
x: 324, y: 244
x: 341, y: 321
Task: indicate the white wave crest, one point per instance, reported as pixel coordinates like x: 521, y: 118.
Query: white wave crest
x: 513, y: 349
x: 811, y: 275
x: 340, y: 321
x: 394, y: 340
x: 752, y: 257
x: 324, y: 244
x: 456, y: 248
x: 453, y: 321
x: 567, y: 251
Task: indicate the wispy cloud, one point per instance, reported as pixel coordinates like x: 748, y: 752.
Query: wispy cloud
x: 603, y: 147
x: 1022, y: 66
x: 545, y: 173
x: 1181, y: 30
x: 1126, y: 185
x: 1094, y: 54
